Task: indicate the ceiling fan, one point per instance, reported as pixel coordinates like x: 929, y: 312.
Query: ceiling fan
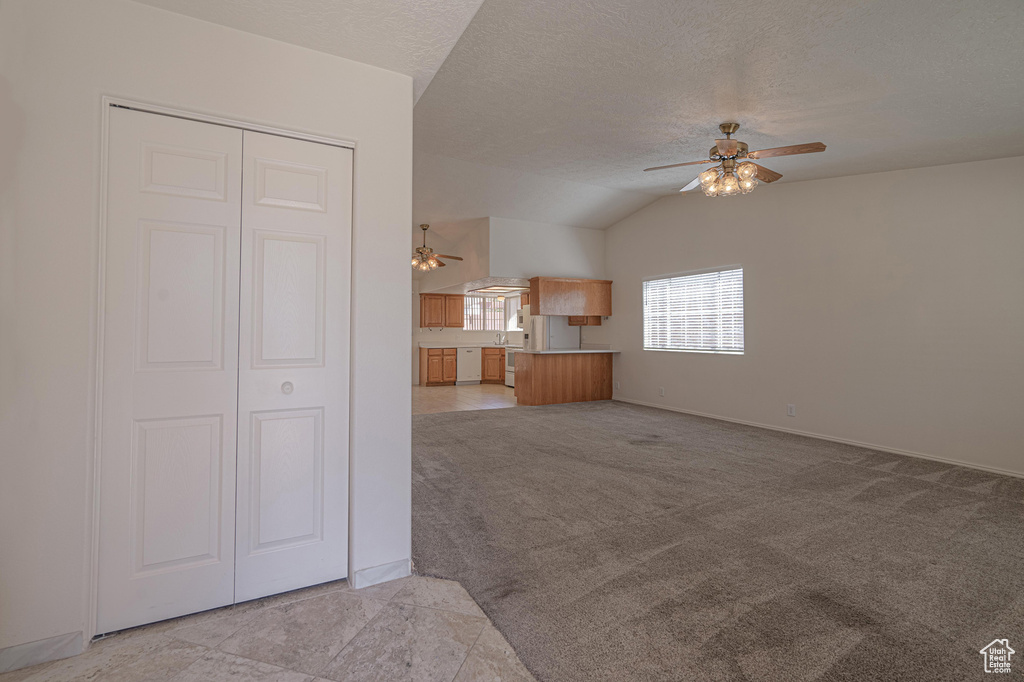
x: 424, y: 258
x: 735, y: 171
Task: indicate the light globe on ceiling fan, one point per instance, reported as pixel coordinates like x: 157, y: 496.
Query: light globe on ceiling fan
x: 735, y: 172
x: 423, y: 257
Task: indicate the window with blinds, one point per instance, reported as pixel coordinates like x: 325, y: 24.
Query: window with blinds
x: 512, y: 306
x: 483, y: 314
x: 702, y: 312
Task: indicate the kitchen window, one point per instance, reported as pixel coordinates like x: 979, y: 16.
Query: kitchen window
x: 512, y: 306
x: 699, y: 312
x: 484, y: 314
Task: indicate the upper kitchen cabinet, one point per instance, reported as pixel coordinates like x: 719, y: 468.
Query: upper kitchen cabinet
x: 432, y: 309
x: 565, y: 296
x: 442, y: 310
x: 454, y: 310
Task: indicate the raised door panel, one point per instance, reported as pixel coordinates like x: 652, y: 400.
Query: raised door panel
x: 431, y: 310
x: 170, y: 369
x: 176, y: 493
x: 287, y: 479
x: 180, y: 318
x: 435, y: 369
x: 499, y: 364
x: 492, y: 367
x: 454, y: 310
x: 449, y: 367
x: 185, y: 171
x: 289, y: 306
x: 294, y: 364
x: 291, y: 185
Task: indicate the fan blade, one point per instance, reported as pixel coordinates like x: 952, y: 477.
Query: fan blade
x: 441, y: 255
x: 766, y: 174
x: 806, y: 148
x: 441, y: 263
x: 677, y: 165
x: 694, y: 184
x: 726, y: 147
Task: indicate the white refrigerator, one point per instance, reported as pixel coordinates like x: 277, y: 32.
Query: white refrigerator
x: 548, y: 332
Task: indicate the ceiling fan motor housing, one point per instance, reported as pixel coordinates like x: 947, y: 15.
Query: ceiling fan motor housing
x: 741, y: 152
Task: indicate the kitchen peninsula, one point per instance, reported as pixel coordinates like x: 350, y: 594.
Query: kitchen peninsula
x: 548, y: 377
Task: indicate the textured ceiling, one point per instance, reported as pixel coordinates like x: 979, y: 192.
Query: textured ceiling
x: 412, y: 37
x: 593, y: 91
x: 447, y: 190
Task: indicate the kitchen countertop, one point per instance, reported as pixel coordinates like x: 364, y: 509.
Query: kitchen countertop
x: 566, y: 351
x: 468, y: 345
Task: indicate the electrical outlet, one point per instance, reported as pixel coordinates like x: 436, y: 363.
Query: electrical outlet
x: 790, y: 410
x: 661, y: 391
x: 617, y: 386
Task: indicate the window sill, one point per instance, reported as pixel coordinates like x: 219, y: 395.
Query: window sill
x: 695, y: 350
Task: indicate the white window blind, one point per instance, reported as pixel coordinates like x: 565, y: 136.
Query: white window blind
x: 512, y: 306
x: 483, y: 314
x: 701, y: 312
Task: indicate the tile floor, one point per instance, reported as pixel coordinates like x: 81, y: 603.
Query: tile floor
x: 431, y: 399
x: 410, y: 629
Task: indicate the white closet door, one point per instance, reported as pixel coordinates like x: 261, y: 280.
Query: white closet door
x: 170, y: 369
x: 292, y: 496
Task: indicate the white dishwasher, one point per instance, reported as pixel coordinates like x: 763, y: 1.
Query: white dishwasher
x: 468, y: 368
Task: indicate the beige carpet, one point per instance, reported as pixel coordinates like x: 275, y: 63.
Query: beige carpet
x: 614, y: 542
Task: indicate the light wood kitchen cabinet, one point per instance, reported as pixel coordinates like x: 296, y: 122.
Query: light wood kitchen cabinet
x: 492, y: 370
x: 449, y: 366
x: 432, y: 310
x: 442, y: 310
x: 434, y: 368
x: 549, y: 378
x: 524, y: 299
x: 584, y: 320
x: 438, y: 366
x: 566, y: 296
x: 454, y: 310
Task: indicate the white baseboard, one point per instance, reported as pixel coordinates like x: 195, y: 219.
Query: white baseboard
x: 42, y: 651
x: 834, y: 439
x: 381, y: 574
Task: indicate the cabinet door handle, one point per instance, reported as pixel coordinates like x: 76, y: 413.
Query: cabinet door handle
x: 287, y: 387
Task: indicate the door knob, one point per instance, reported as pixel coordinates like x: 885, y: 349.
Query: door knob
x: 287, y: 387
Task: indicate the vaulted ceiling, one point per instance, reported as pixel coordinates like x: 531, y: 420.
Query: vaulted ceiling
x: 548, y: 111
x: 411, y: 37
x: 593, y: 91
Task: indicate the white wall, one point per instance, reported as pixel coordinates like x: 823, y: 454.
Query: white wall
x: 472, y: 246
x: 448, y: 189
x: 57, y: 58
x: 514, y: 249
x: 521, y: 248
x: 886, y: 307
